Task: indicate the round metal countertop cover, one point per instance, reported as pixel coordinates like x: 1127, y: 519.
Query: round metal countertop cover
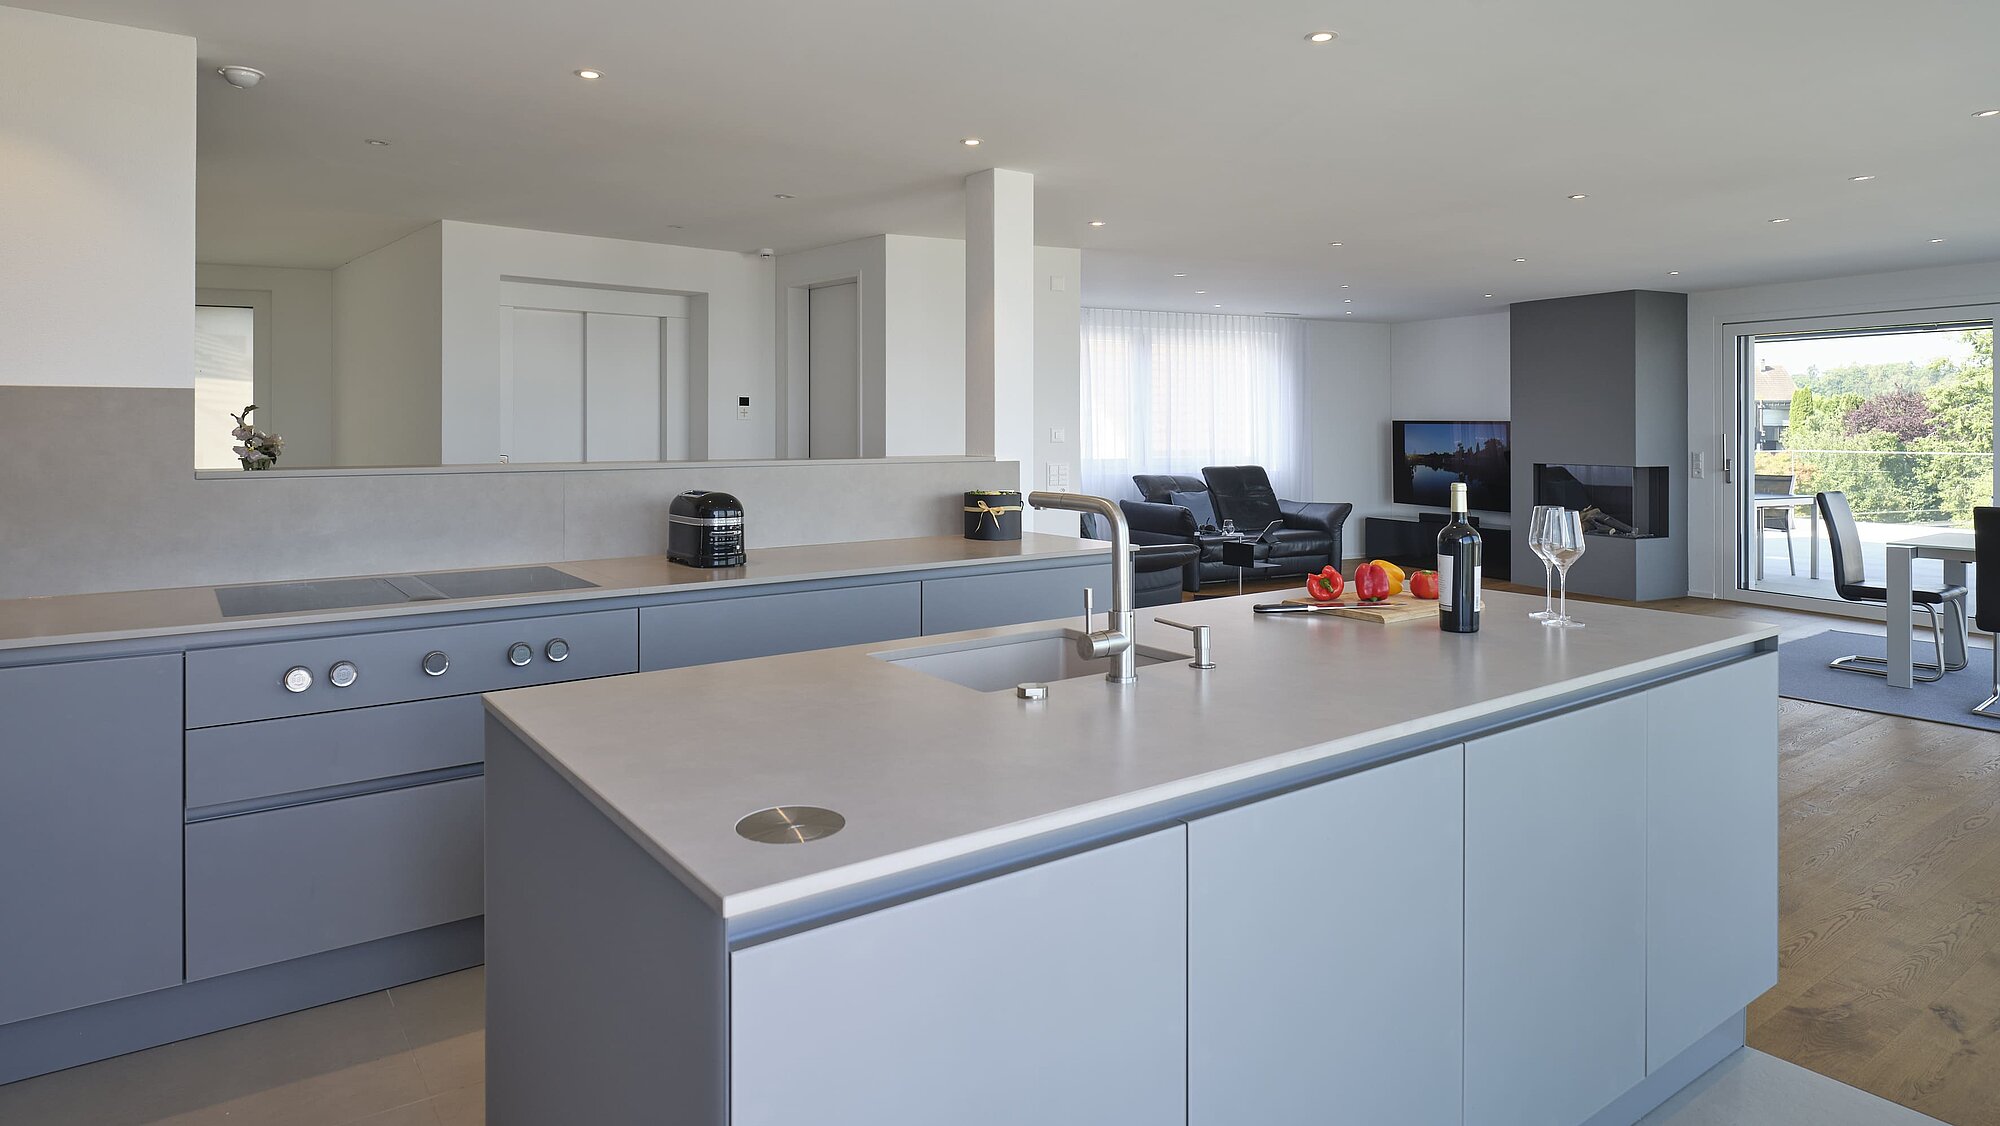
x: 790, y: 824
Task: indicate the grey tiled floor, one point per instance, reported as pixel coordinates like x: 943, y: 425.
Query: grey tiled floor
x: 410, y: 1056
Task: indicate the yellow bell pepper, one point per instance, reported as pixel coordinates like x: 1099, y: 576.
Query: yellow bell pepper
x: 1396, y: 575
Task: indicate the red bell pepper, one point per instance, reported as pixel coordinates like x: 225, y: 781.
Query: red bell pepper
x: 1371, y: 583
x: 1424, y: 584
x: 1325, y: 586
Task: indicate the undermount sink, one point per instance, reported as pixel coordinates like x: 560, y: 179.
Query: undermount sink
x: 431, y: 586
x: 997, y: 664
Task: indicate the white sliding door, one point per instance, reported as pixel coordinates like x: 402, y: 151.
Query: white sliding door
x: 596, y: 374
x: 621, y: 391
x: 547, y: 383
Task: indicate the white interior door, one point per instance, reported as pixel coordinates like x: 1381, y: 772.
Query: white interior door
x: 547, y: 385
x: 834, y: 373
x: 621, y: 396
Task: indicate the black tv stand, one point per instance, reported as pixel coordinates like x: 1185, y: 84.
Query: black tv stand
x: 1412, y: 541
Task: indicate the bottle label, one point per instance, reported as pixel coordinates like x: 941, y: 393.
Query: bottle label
x: 1445, y: 586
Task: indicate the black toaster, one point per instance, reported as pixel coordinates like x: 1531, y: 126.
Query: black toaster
x: 705, y: 529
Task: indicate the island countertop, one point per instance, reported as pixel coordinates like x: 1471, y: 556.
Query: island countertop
x: 927, y: 772
x: 80, y: 619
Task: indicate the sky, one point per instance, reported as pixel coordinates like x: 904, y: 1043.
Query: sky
x: 1920, y: 347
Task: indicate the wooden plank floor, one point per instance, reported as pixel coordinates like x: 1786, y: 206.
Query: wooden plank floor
x: 1889, y: 897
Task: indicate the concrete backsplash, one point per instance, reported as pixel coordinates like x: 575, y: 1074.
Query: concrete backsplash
x: 97, y: 494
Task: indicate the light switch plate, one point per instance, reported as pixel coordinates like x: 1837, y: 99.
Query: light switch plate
x: 1058, y: 434
x: 1696, y: 468
x: 1058, y: 283
x: 743, y: 406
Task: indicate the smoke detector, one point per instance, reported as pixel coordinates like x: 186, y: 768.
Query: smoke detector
x: 241, y: 77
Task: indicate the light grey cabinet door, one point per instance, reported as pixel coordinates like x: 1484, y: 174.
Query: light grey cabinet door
x: 1012, y: 597
x: 1325, y: 945
x: 1711, y: 851
x: 1555, y: 916
x: 735, y: 629
x: 1055, y: 995
x: 90, y: 813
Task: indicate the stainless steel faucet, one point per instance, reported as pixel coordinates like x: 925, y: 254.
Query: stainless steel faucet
x: 1118, y: 642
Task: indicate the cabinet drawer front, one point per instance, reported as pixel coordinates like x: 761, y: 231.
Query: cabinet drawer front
x: 699, y: 633
x: 246, y: 682
x: 984, y: 601
x: 246, y: 761
x: 269, y: 887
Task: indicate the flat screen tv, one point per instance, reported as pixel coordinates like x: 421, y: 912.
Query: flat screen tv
x: 1429, y: 456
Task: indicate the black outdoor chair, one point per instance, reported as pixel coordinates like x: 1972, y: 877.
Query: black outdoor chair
x: 1850, y: 581
x: 1986, y: 573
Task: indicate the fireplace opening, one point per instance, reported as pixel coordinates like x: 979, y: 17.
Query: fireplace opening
x: 1624, y: 501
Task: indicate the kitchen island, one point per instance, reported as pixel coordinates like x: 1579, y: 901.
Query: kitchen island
x: 1352, y: 873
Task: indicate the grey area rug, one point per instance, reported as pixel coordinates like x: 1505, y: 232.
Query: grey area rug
x: 1803, y: 675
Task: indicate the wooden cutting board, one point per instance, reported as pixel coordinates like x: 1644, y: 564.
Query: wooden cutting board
x: 1404, y: 607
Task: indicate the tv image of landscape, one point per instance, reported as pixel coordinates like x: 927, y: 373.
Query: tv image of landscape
x: 1431, y: 456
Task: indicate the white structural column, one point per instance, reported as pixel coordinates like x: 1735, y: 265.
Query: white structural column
x: 1000, y: 318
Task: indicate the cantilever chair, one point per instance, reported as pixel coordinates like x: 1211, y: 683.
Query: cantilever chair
x: 1986, y: 573
x: 1850, y: 581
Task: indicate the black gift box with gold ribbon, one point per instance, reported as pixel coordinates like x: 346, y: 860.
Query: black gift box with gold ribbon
x: 993, y: 516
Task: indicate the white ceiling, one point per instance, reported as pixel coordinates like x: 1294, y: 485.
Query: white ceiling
x: 1436, y: 141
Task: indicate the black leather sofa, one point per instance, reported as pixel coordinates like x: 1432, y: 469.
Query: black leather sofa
x: 1158, y: 570
x: 1307, y: 537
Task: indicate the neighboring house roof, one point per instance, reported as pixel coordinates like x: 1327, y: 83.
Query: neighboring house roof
x: 1774, y: 384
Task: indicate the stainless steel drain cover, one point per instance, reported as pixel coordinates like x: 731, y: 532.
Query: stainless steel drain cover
x: 790, y: 824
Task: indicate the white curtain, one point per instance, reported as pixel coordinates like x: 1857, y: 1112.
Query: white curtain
x: 1173, y: 392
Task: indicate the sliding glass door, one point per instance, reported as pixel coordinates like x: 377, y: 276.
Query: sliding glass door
x: 1899, y: 417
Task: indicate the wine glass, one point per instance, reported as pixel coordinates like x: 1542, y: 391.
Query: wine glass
x: 1229, y: 528
x: 1564, y: 541
x: 1538, y: 543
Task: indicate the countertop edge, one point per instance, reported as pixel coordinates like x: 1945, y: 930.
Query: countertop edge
x: 17, y: 645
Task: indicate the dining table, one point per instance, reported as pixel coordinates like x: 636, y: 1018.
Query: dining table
x: 1954, y: 549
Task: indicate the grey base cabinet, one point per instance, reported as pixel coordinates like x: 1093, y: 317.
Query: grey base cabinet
x: 90, y: 825
x: 1012, y: 597
x: 1555, y: 916
x: 735, y: 629
x: 1055, y: 995
x: 1324, y: 950
x: 1711, y: 851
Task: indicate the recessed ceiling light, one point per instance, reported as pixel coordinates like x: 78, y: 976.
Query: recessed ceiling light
x: 1988, y: 113
x: 589, y: 75
x: 1344, y: 285
x: 1520, y: 259
x: 1097, y: 222
x: 1349, y: 300
x: 1859, y: 179
x: 1322, y: 37
x: 376, y: 141
x: 782, y: 195
x: 1350, y: 312
x: 1781, y: 220
x: 970, y: 142
x: 1489, y: 295
x: 1578, y: 195
x: 1937, y: 240
x: 1333, y: 244
x: 1218, y: 305
x: 1180, y: 275
x: 1673, y: 273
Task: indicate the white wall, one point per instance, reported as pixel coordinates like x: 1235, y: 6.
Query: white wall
x: 732, y: 349
x: 1711, y: 375
x: 388, y: 353
x: 1058, y: 373
x: 1348, y: 397
x: 96, y: 203
x: 1451, y: 368
x: 300, y: 401
x: 923, y: 362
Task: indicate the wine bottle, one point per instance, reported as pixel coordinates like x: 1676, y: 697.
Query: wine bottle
x: 1458, y: 569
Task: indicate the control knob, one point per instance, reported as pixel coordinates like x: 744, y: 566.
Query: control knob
x: 435, y: 663
x: 520, y: 653
x: 343, y: 674
x: 556, y: 650
x: 298, y: 678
